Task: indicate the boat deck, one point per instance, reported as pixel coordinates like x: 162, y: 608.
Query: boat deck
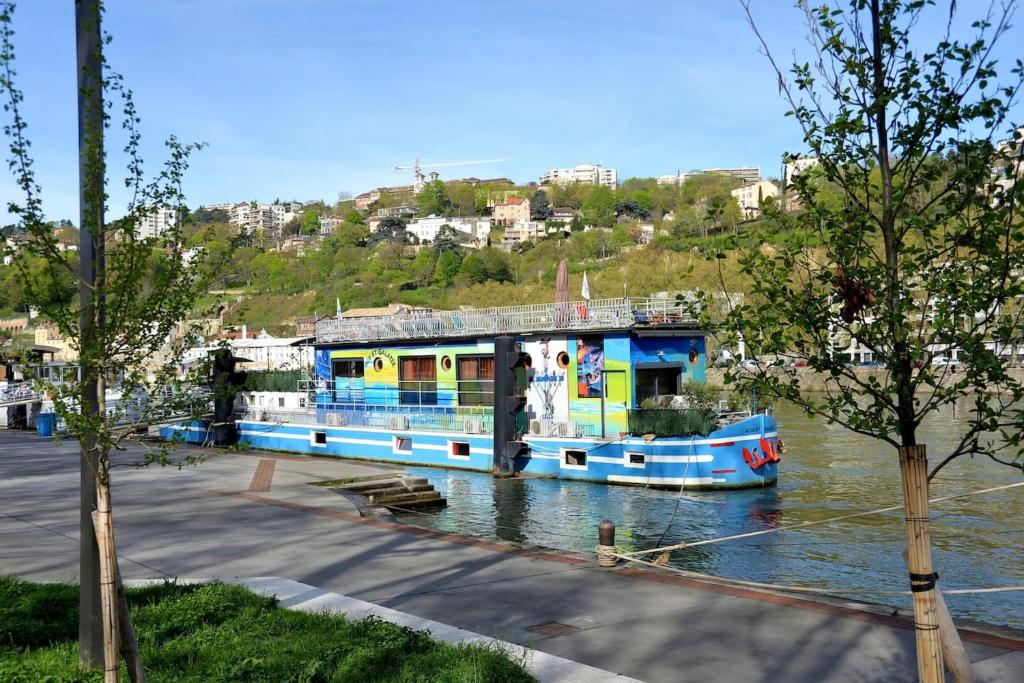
x: 599, y: 314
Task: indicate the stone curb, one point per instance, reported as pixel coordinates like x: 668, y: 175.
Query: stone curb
x: 305, y: 598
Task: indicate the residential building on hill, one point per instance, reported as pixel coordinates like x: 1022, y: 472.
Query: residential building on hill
x: 747, y: 174
x: 587, y: 174
x: 564, y: 214
x: 404, y: 211
x: 511, y: 211
x: 750, y: 196
x: 270, y: 218
x: 328, y: 224
x: 524, y: 231
x: 262, y: 352
x: 426, y: 229
x: 157, y: 222
x: 799, y: 165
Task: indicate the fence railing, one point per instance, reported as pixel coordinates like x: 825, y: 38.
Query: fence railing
x: 600, y: 314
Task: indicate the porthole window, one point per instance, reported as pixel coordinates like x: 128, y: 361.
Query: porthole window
x: 694, y: 356
x: 446, y: 363
x: 563, y: 359
x: 378, y: 364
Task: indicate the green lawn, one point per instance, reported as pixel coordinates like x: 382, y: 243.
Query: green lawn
x: 217, y: 632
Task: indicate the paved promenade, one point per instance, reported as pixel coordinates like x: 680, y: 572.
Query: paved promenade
x: 255, y: 515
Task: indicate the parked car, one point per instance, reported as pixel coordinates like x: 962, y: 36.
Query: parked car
x: 942, y: 361
x: 748, y: 364
x: 799, y: 363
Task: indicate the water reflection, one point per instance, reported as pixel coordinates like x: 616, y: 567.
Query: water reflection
x: 828, y: 471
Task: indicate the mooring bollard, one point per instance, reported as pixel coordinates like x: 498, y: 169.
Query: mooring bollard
x: 606, y: 544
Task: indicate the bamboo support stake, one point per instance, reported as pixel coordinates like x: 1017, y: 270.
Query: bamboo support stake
x: 914, y: 474
x: 952, y: 647
x: 129, y: 644
x: 108, y: 585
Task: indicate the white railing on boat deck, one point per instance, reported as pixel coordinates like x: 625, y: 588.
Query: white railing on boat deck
x: 599, y: 314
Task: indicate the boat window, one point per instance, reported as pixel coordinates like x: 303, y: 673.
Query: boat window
x: 656, y: 382
x: 475, y: 376
x: 575, y: 458
x: 347, y: 380
x: 417, y: 381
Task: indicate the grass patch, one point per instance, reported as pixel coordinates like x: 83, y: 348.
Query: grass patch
x: 217, y: 632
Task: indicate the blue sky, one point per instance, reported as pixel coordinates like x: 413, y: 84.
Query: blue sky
x: 306, y: 98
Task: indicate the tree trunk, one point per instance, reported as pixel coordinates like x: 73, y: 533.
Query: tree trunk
x: 91, y: 177
x: 914, y: 473
x: 108, y: 583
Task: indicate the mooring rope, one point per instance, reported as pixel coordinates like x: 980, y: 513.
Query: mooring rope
x: 807, y: 589
x: 804, y: 525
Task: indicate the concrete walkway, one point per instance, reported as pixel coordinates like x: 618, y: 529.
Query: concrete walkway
x: 305, y: 598
x: 238, y: 515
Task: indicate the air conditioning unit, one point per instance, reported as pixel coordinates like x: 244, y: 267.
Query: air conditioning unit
x: 473, y: 425
x: 567, y: 430
x: 535, y: 427
x: 398, y: 422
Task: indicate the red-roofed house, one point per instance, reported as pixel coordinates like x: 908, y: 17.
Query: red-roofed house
x: 511, y: 211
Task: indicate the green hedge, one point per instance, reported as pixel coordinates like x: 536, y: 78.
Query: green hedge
x: 273, y: 380
x: 669, y: 422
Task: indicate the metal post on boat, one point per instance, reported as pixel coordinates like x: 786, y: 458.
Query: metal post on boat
x: 509, y: 402
x: 606, y: 544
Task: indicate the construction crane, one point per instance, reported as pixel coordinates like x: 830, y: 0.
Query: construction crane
x: 417, y: 174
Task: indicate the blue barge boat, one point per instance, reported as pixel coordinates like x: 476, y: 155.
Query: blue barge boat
x: 418, y: 389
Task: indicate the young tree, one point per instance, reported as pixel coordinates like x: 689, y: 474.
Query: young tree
x: 134, y: 294
x: 599, y: 207
x: 921, y: 258
x: 432, y: 200
x: 447, y: 268
x: 310, y: 222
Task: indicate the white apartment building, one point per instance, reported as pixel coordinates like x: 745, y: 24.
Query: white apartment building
x: 271, y: 218
x: 748, y: 174
x: 426, y: 229
x: 588, y: 174
x: 799, y: 165
x: 262, y: 352
x: 157, y: 222
x: 749, y: 196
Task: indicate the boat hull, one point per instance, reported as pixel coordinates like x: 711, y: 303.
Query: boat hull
x: 716, y: 461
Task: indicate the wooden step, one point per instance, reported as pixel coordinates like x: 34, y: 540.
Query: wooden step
x: 424, y: 502
x: 402, y: 498
x: 367, y: 486
x: 397, y: 490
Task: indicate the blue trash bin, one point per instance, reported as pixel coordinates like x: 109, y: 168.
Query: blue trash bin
x: 44, y: 424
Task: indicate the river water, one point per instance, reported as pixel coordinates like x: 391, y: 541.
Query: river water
x: 827, y: 471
